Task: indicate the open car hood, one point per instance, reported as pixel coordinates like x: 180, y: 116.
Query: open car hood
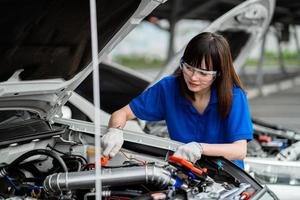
x: 243, y: 26
x: 46, y: 51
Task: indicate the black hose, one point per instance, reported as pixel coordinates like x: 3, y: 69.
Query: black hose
x: 125, y: 193
x: 120, y: 166
x: 38, y: 152
x: 69, y: 155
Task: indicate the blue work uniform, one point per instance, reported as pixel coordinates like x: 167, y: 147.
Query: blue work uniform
x: 164, y: 101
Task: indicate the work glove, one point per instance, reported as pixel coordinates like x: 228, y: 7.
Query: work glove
x: 191, y: 151
x: 112, y: 142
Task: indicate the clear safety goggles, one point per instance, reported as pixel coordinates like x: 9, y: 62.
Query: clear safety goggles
x: 201, y: 73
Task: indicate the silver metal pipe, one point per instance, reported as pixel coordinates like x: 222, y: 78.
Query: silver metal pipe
x: 96, y: 92
x: 109, y: 177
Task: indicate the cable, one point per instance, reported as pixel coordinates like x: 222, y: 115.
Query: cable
x: 69, y: 155
x: 128, y: 158
x: 121, y: 166
x: 38, y: 152
x: 56, y: 150
x: 125, y: 193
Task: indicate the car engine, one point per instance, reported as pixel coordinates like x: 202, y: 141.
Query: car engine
x: 40, y: 160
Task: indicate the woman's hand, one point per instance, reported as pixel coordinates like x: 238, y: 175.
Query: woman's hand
x: 112, y: 142
x: 191, y: 151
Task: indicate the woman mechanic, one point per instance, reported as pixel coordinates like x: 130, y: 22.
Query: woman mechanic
x: 204, y: 105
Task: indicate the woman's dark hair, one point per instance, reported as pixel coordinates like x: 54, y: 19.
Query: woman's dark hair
x: 215, y: 51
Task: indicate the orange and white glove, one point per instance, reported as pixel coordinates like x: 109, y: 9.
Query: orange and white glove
x: 112, y: 142
x: 191, y: 151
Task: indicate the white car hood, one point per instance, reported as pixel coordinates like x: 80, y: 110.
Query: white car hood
x: 45, y: 48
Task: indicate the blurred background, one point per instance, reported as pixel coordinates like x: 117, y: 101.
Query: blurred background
x: 274, y: 58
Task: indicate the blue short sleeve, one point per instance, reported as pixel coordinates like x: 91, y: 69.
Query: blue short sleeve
x: 150, y: 104
x: 239, y: 124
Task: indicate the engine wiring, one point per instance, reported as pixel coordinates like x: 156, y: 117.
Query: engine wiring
x: 15, y: 174
x: 179, y: 178
x: 132, y: 158
x: 66, y: 154
x: 89, y: 166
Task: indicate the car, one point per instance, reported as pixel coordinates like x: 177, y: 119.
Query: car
x: 45, y: 56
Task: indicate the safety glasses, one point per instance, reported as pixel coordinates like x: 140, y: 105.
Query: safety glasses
x: 200, y: 73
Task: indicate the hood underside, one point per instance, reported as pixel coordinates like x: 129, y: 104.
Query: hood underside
x: 51, y: 39
x: 46, y: 47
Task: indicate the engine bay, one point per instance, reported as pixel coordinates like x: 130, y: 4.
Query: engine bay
x: 273, y: 154
x: 62, y: 166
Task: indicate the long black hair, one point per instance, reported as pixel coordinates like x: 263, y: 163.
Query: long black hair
x: 215, y: 51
